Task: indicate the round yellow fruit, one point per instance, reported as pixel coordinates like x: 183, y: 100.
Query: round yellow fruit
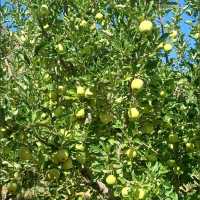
x: 25, y: 154
x: 167, y: 47
x: 162, y: 93
x: 53, y: 174
x: 125, y: 191
x: 197, y: 35
x: 68, y: 164
x: 88, y: 93
x: 44, y: 10
x: 105, y: 118
x: 80, y: 91
x: 145, y: 26
x: 137, y: 84
x: 189, y: 146
x: 173, y: 34
x: 133, y: 113
x: 99, y: 16
x: 12, y: 187
x: 141, y: 193
x: 59, y: 48
x: 131, y: 153
x: 83, y: 23
x: 80, y: 147
x: 80, y: 114
x: 110, y: 179
x: 61, y: 156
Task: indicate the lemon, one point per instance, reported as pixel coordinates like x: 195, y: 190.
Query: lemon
x: 110, y: 179
x: 80, y: 114
x: 162, y: 93
x: 137, y: 84
x: 80, y: 91
x: 125, y: 191
x: 141, y: 193
x: 99, y: 16
x: 145, y: 26
x: 167, y: 47
x: 80, y: 147
x: 133, y: 113
x: 197, y: 35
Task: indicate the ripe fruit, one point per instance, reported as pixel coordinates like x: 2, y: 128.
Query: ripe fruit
x: 189, y: 146
x: 83, y: 23
x: 12, y: 187
x: 173, y: 138
x: 167, y: 47
x: 59, y: 48
x: 145, y: 26
x: 105, y: 118
x: 137, y: 84
x: 61, y: 156
x: 80, y: 147
x: 141, y: 193
x: 131, y: 153
x: 44, y: 10
x: 133, y: 113
x: 88, y: 93
x: 67, y: 164
x: 125, y: 191
x: 80, y: 91
x: 99, y: 16
x: 110, y: 180
x: 162, y: 93
x: 53, y: 174
x: 148, y: 127
x: 173, y: 34
x: 80, y: 114
x: 25, y: 154
x: 197, y: 35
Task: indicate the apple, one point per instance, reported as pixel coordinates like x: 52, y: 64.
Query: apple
x: 53, y: 174
x: 110, y: 179
x: 44, y: 10
x: 167, y: 47
x: 125, y: 191
x: 25, y: 154
x: 59, y: 48
x: 80, y: 114
x: 131, y: 153
x: 80, y: 91
x: 137, y: 84
x: 68, y: 164
x: 173, y: 138
x: 61, y: 156
x: 12, y: 187
x: 105, y: 118
x: 99, y: 16
x: 145, y: 26
x: 133, y: 113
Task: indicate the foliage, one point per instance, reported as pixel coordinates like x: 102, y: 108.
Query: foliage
x: 94, y: 106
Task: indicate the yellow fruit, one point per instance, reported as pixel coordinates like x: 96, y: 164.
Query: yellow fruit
x: 80, y: 114
x: 59, y: 48
x: 141, y: 193
x: 160, y: 45
x: 44, y: 10
x: 133, y: 113
x: 197, y: 35
x: 99, y: 16
x: 83, y: 23
x: 131, y: 153
x: 167, y: 47
x: 88, y: 93
x: 145, y: 26
x: 137, y: 84
x: 61, y: 156
x: 80, y: 91
x: 68, y: 164
x: 110, y: 180
x: 53, y: 174
x: 25, y: 154
x: 105, y: 118
x: 162, y: 93
x: 12, y: 187
x: 125, y: 191
x: 189, y: 147
x: 80, y: 147
x: 173, y: 34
